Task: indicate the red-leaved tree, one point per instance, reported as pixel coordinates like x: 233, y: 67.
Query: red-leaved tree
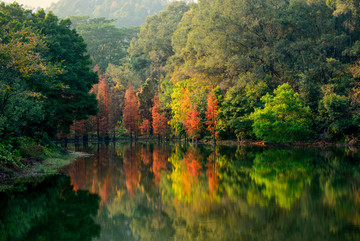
x: 160, y: 121
x: 102, y: 91
x: 79, y: 128
x: 131, y: 111
x: 145, y: 127
x: 192, y: 122
x: 212, y: 115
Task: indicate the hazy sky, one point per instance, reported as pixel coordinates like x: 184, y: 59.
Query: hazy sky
x: 33, y: 3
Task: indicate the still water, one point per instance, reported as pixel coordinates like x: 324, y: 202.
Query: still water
x: 178, y: 192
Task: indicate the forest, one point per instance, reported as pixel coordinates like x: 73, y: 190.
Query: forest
x: 277, y: 71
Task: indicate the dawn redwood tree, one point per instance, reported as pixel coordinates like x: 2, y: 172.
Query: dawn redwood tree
x: 212, y: 115
x: 102, y: 92
x: 192, y: 122
x: 160, y: 121
x: 145, y: 127
x: 79, y: 128
x: 131, y: 111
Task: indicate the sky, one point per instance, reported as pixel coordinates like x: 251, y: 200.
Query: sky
x: 33, y: 3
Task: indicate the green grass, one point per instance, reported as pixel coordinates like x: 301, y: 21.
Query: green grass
x: 51, y: 164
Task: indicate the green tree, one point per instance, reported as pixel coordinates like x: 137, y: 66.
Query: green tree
x: 284, y: 118
x: 106, y: 44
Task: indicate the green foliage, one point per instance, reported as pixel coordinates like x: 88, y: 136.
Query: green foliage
x: 241, y: 100
x: 283, y: 118
x: 9, y: 155
x: 151, y: 50
x: 335, y: 115
x: 45, y: 73
x: 106, y: 44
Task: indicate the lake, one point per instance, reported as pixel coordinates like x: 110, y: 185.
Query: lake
x: 183, y: 192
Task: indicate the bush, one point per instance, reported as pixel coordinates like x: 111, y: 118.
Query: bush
x: 284, y: 118
x: 9, y: 155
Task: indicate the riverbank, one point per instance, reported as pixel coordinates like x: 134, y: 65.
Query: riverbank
x: 35, y: 168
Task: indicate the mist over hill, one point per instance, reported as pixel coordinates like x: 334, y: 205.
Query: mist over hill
x: 125, y: 12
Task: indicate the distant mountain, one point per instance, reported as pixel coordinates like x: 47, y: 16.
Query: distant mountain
x: 126, y: 12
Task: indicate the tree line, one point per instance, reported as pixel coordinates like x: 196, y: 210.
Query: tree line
x: 278, y: 71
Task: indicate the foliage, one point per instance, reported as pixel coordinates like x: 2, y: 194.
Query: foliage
x: 106, y: 44
x: 160, y: 121
x: 283, y: 118
x: 131, y: 114
x: 212, y: 114
x: 192, y: 122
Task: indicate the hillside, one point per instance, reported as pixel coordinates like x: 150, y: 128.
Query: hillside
x: 126, y: 12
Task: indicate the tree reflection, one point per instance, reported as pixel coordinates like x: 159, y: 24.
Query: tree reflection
x: 162, y: 192
x: 131, y: 169
x: 50, y: 211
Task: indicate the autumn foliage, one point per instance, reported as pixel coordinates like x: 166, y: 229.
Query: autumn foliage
x: 212, y: 113
x: 192, y: 122
x: 131, y: 111
x: 160, y: 121
x: 101, y: 90
x: 145, y: 127
x: 79, y: 128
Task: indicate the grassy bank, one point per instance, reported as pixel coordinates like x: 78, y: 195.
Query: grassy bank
x: 34, y: 169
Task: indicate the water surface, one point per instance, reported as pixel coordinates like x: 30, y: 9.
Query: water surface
x: 182, y: 192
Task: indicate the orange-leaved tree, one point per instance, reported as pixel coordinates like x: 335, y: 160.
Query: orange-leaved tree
x: 131, y: 111
x: 212, y: 115
x: 192, y: 122
x: 145, y: 127
x: 160, y: 121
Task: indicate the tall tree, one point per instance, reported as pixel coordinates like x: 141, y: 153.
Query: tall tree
x: 192, y: 122
x: 212, y: 115
x: 101, y: 120
x: 284, y: 117
x: 160, y: 121
x: 145, y: 127
x: 131, y: 111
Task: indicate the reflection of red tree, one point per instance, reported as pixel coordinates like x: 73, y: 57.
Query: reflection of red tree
x: 146, y: 155
x: 160, y: 158
x: 193, y: 165
x: 212, y: 176
x: 77, y: 173
x: 94, y: 176
x: 104, y: 191
x: 131, y: 169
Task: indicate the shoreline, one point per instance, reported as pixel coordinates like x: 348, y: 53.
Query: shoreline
x: 36, y: 168
x: 316, y: 144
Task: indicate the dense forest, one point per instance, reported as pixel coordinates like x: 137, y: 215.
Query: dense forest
x: 278, y: 71
x: 45, y: 80
x: 270, y: 70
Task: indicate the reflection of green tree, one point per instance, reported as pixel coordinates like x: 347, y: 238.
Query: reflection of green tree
x: 286, y: 194
x: 50, y: 211
x: 151, y: 224
x: 283, y: 173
